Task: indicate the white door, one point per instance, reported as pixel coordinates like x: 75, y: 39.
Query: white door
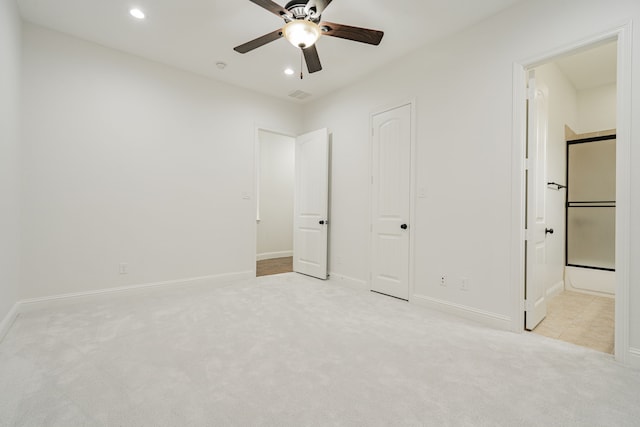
x: 311, y: 204
x: 536, y: 271
x: 391, y: 192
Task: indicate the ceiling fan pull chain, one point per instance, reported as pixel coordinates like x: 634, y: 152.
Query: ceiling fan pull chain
x: 301, y: 64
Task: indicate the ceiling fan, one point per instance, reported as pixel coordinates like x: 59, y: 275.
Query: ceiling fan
x: 303, y: 27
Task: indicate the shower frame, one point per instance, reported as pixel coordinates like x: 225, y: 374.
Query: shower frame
x: 583, y: 204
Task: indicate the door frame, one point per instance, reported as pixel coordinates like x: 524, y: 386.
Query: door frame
x: 623, y: 36
x: 256, y: 182
x: 412, y: 192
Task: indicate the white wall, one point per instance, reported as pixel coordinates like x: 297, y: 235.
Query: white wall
x: 129, y: 161
x: 277, y: 175
x: 464, y: 97
x: 597, y: 109
x: 10, y: 52
x: 563, y: 110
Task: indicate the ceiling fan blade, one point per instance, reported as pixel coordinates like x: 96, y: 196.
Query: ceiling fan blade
x: 260, y: 41
x: 358, y: 34
x: 320, y: 5
x: 312, y: 59
x: 272, y: 7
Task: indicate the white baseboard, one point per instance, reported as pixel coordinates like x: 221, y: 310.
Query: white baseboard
x: 342, y: 280
x: 272, y: 255
x: 555, y: 289
x: 493, y: 320
x: 34, y: 304
x: 634, y: 357
x: 8, y: 320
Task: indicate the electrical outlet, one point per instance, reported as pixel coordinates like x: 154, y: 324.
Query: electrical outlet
x: 464, y: 284
x: 443, y: 280
x: 123, y: 268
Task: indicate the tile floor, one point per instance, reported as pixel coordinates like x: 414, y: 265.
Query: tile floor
x: 581, y: 319
x: 268, y: 267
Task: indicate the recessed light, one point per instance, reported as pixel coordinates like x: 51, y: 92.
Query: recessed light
x: 137, y: 13
x: 221, y: 65
x: 289, y: 71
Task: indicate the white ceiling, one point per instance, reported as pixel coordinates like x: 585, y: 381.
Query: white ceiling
x: 195, y: 34
x: 591, y: 68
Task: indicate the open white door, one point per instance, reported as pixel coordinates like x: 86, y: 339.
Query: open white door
x: 391, y: 202
x: 536, y: 268
x: 311, y: 205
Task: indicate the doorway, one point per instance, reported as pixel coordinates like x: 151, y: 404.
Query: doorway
x: 275, y: 189
x: 571, y: 231
x: 292, y: 203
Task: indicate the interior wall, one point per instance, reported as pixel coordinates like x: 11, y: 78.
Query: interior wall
x: 10, y: 74
x: 277, y: 177
x: 133, y: 162
x: 597, y: 109
x: 464, y: 101
x: 563, y: 110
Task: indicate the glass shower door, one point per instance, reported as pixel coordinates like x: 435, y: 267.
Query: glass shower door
x: 591, y: 205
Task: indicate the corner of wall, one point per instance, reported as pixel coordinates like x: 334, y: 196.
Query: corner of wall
x: 7, y: 321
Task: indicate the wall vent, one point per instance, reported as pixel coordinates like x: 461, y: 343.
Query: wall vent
x: 299, y: 94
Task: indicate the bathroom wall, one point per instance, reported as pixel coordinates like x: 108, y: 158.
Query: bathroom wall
x: 563, y: 110
x: 596, y: 109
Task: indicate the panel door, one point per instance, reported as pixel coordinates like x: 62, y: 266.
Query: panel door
x: 311, y: 205
x: 391, y: 192
x: 536, y: 263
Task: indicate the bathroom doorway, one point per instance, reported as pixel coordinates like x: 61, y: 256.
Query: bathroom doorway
x: 575, y: 193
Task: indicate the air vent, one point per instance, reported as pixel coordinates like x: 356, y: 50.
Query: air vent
x: 299, y: 94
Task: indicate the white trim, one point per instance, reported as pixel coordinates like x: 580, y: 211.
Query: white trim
x: 350, y: 282
x: 487, y: 318
x: 518, y: 202
x: 555, y: 289
x: 623, y: 195
x: 634, y: 357
x: 53, y: 301
x: 272, y: 255
x: 8, y: 320
x: 623, y: 179
x: 412, y: 207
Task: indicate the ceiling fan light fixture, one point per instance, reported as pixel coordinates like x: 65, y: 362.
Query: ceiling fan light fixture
x: 302, y: 33
x: 137, y: 13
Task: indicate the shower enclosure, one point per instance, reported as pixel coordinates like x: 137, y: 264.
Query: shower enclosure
x: 590, y: 214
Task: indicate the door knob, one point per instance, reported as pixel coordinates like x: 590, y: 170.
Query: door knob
x: 404, y: 226
x: 548, y: 231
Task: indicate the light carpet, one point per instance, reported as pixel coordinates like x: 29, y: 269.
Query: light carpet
x: 288, y: 350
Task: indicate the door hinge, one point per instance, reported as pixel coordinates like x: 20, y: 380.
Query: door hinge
x: 528, y: 305
x: 531, y: 93
x: 526, y: 164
